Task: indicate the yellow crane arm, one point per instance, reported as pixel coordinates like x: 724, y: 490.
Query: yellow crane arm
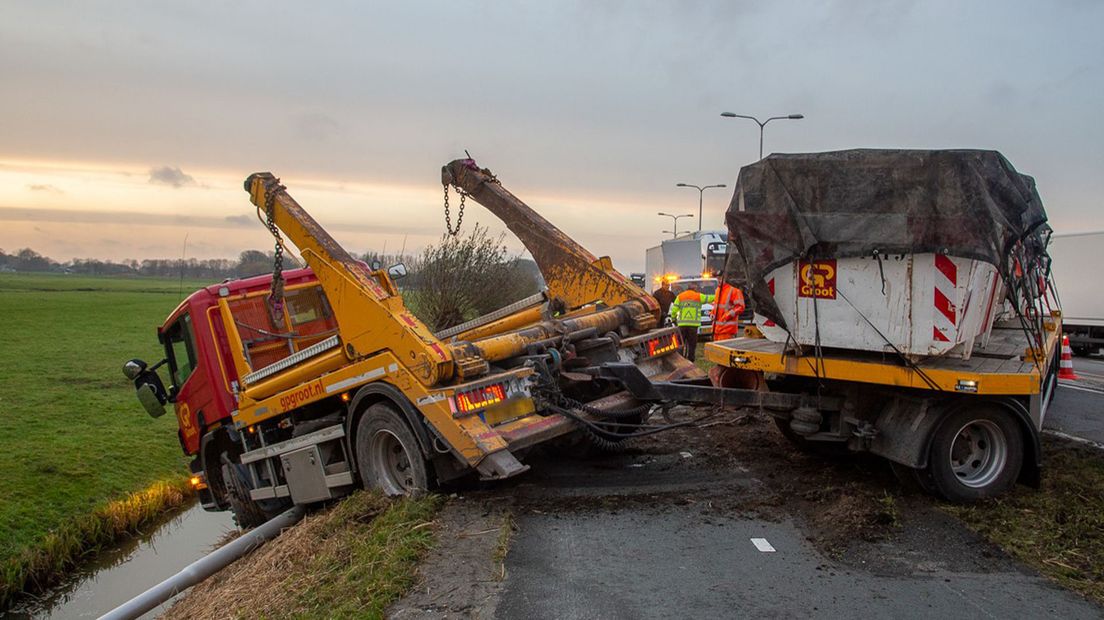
x: 370, y: 311
x: 571, y: 272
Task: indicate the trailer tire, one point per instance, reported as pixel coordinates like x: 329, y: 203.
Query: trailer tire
x: 976, y: 453
x: 387, y: 453
x: 247, y: 513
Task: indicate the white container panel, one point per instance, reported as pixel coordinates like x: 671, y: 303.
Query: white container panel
x: 920, y: 305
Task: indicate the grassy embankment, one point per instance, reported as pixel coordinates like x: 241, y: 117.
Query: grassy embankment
x: 348, y: 561
x: 82, y: 462
x: 1059, y: 529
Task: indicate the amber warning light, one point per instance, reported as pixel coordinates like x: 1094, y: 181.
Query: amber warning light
x: 479, y: 398
x: 663, y: 344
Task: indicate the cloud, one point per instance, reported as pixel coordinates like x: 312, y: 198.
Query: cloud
x: 44, y: 187
x: 137, y: 218
x: 171, y: 176
x: 240, y: 220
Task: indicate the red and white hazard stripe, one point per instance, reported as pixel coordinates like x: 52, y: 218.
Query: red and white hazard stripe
x: 945, y: 315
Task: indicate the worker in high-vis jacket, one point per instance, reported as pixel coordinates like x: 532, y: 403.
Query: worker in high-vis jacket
x: 686, y: 311
x: 727, y: 311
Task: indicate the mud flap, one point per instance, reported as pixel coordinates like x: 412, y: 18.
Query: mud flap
x: 499, y: 465
x: 904, y: 429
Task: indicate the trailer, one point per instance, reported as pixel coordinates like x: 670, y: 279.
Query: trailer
x: 907, y: 295
x: 1074, y: 260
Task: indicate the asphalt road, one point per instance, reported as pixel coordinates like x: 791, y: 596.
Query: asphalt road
x: 1078, y: 406
x: 593, y: 543
x: 602, y: 548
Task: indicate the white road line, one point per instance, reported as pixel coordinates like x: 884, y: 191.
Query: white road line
x: 1079, y: 387
x: 762, y: 545
x: 1081, y: 440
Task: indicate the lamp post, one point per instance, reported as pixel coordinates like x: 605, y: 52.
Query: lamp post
x: 674, y: 233
x: 763, y: 124
x: 701, y: 192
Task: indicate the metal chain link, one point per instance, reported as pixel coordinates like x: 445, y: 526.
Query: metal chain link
x: 459, y: 216
x: 276, y: 295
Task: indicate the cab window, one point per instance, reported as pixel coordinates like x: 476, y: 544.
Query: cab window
x: 180, y: 346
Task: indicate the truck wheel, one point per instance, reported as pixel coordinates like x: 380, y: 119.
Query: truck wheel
x: 976, y: 453
x: 388, y: 455
x: 247, y: 513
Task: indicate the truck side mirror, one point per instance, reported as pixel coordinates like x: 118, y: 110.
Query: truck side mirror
x: 151, y: 391
x: 147, y: 395
x: 397, y: 271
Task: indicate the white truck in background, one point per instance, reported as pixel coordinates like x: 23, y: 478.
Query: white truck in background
x: 1075, y: 260
x: 696, y: 258
x: 695, y: 255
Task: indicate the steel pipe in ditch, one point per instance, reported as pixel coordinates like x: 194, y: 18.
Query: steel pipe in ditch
x: 206, y: 566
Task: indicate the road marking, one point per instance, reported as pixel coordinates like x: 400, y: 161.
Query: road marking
x: 1081, y: 440
x: 762, y: 545
x: 1080, y: 387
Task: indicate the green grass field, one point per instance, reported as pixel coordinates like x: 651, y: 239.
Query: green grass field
x: 72, y: 435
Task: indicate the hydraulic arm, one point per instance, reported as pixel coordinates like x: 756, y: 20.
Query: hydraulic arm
x: 371, y: 314
x: 571, y: 272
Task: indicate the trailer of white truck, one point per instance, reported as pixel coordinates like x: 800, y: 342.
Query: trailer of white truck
x: 1075, y: 260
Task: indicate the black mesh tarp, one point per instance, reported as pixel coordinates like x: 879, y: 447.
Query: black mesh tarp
x: 966, y: 203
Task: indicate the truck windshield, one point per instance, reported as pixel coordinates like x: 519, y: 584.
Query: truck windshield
x: 180, y: 346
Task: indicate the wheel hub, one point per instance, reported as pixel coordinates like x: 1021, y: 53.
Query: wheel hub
x: 391, y: 463
x: 979, y: 453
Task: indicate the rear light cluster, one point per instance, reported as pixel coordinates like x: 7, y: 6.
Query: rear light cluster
x: 663, y: 344
x: 471, y: 401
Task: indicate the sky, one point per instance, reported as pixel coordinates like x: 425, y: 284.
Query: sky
x: 127, y: 128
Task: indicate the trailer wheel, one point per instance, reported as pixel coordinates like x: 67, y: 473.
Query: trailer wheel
x: 976, y: 453
x: 387, y: 453
x: 247, y: 513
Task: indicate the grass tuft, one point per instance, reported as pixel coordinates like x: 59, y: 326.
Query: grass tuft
x: 502, y: 548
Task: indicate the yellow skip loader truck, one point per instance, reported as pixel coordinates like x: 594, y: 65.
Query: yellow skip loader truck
x: 300, y: 386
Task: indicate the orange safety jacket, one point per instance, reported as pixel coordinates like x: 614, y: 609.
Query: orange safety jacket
x: 727, y: 311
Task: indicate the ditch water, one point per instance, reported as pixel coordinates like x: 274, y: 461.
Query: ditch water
x: 120, y: 573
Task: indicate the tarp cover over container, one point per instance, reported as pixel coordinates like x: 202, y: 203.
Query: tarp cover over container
x: 842, y: 204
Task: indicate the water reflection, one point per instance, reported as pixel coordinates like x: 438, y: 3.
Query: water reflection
x: 117, y: 574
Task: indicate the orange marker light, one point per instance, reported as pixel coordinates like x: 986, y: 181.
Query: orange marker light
x: 663, y: 344
x: 479, y: 398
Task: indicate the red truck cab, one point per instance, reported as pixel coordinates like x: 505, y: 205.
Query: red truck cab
x: 201, y: 369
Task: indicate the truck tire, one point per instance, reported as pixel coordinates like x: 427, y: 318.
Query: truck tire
x: 976, y: 453
x: 247, y: 513
x: 387, y: 453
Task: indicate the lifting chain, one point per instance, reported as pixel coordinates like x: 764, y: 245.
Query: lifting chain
x: 459, y: 216
x: 491, y: 178
x: 275, y: 299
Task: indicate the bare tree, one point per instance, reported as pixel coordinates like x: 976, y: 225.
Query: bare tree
x: 461, y: 278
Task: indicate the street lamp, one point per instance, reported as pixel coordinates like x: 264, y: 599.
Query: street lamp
x: 763, y: 124
x: 674, y: 233
x: 701, y: 192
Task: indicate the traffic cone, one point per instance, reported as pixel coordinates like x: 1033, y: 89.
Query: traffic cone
x: 1065, y: 364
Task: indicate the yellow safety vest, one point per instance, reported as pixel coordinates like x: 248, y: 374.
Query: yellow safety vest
x: 686, y: 309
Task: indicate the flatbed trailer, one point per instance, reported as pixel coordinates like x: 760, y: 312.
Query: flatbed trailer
x: 906, y: 295
x: 962, y: 428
